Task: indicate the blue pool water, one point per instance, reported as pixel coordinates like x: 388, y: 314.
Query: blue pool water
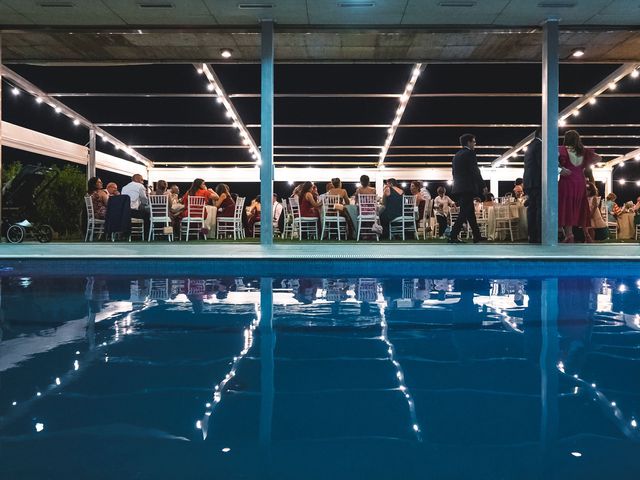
x: 311, y: 378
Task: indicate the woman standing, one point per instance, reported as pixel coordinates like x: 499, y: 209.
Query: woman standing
x: 573, y: 206
x: 595, y: 215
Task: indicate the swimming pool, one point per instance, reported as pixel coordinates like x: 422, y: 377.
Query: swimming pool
x: 288, y: 378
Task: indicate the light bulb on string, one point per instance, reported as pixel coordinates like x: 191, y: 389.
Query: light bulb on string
x: 593, y: 100
x: 612, y: 86
x: 39, y: 100
x: 210, y: 87
x: 15, y: 91
x: 635, y: 73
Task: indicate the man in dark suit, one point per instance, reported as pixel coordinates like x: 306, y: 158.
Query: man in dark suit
x: 467, y: 184
x: 533, y: 187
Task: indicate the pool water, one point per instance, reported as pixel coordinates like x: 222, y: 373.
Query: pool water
x: 312, y: 378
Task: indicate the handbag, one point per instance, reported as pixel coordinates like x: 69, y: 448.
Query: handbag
x: 376, y: 228
x: 339, y: 207
x: 167, y: 230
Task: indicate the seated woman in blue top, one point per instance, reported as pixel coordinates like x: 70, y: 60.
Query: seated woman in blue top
x: 392, y: 200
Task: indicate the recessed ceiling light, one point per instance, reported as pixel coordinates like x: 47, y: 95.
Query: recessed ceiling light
x: 556, y: 4
x: 254, y: 6
x: 56, y: 4
x: 577, y: 52
x: 457, y: 4
x: 226, y: 52
x: 356, y: 4
x: 159, y: 5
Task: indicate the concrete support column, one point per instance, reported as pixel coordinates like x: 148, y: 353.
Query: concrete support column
x: 550, y: 91
x: 266, y: 133
x: 91, y: 164
x: 0, y: 132
x: 267, y: 388
x: 549, y: 374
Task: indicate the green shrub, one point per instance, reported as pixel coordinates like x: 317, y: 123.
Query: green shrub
x: 61, y: 203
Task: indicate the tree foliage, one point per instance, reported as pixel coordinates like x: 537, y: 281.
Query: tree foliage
x: 61, y: 203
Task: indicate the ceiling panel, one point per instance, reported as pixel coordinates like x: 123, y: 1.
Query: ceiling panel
x: 85, y: 12
x: 328, y: 12
x: 527, y: 12
x: 283, y: 11
x: 429, y: 12
x: 184, y: 12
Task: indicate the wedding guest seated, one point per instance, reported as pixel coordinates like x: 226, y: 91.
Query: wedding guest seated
x: 421, y: 200
x: 477, y: 205
x: 225, y: 203
x: 112, y: 189
x: 198, y: 189
x: 392, y: 200
x: 489, y: 199
x: 278, y: 218
x: 99, y: 197
x: 309, y: 205
x: 161, y: 188
x: 253, y: 216
x: 442, y: 205
x: 613, y: 210
x: 137, y: 193
x: 364, y: 188
x: 175, y: 206
x: 518, y: 189
x: 336, y: 189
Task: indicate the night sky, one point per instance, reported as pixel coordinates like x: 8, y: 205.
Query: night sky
x: 320, y: 78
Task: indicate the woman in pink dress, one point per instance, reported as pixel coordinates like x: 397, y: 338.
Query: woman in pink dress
x: 573, y: 207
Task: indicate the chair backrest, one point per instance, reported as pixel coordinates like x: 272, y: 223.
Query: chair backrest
x: 88, y: 203
x: 428, y: 211
x: 408, y: 205
x: 328, y: 205
x: 294, y: 203
x: 196, y: 206
x: 502, y: 212
x: 239, y: 207
x: 367, y: 204
x: 159, y: 206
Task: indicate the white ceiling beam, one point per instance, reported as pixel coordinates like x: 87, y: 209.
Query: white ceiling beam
x: 404, y: 100
x: 231, y: 111
x: 574, y: 109
x: 25, y: 85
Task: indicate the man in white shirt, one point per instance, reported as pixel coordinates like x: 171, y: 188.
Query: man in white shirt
x: 137, y: 193
x: 276, y: 211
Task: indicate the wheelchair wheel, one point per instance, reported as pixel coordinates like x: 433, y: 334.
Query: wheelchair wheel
x: 43, y: 233
x: 15, y: 234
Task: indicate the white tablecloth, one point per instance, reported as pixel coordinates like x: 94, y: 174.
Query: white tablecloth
x: 518, y: 213
x: 210, y: 221
x: 626, y: 227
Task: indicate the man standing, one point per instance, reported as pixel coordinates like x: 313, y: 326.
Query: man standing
x: 467, y: 184
x: 532, y: 182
